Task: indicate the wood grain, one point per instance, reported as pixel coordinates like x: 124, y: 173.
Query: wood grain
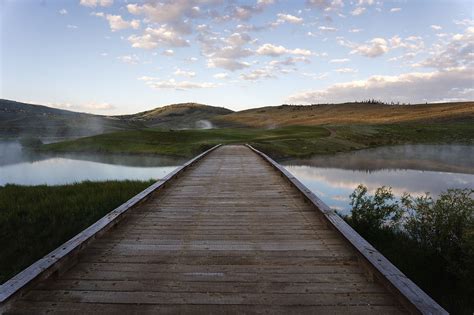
x: 230, y: 235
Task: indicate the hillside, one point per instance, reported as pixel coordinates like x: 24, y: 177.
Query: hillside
x: 20, y: 119
x: 178, y: 116
x: 348, y: 113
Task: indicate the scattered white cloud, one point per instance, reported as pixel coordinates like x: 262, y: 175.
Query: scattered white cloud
x: 346, y: 70
x: 257, y: 74
x: 177, y: 85
x: 168, y: 52
x: 117, y: 23
x: 184, y: 73
x: 84, y: 107
x: 154, y: 37
x: 327, y: 29
x: 130, y: 59
x: 326, y: 5
x: 408, y: 87
x: 274, y: 50
x: 436, y: 27
x: 355, y: 30
x: 455, y: 53
x: 71, y: 26
x: 374, y: 48
x: 342, y: 60
x: 282, y: 18
x: 63, y: 12
x: 395, y: 10
x: 221, y: 75
x: 358, y: 11
x: 104, y: 54
x: 95, y: 3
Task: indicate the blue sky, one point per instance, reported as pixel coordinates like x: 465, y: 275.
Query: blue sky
x: 117, y: 56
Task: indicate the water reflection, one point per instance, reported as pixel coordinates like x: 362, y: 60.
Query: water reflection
x: 24, y: 167
x: 334, y: 186
x: 444, y: 158
x: 415, y: 169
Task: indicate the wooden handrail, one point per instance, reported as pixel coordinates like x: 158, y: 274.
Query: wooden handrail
x: 409, y: 294
x: 61, y: 258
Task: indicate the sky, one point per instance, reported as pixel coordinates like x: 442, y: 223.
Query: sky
x: 125, y: 56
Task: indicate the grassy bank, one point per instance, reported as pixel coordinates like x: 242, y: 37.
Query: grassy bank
x: 285, y: 142
x: 36, y: 219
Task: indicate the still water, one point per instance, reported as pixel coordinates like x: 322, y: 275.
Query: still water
x: 18, y: 166
x: 410, y: 168
x: 415, y: 169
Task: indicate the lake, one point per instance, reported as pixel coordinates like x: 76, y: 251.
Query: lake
x: 409, y: 168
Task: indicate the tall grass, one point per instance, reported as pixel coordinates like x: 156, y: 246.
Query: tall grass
x: 36, y: 219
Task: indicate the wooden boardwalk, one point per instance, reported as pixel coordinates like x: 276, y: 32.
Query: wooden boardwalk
x: 229, y: 235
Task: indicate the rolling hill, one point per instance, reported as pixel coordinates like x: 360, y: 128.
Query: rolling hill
x: 347, y: 114
x: 21, y: 119
x: 178, y: 116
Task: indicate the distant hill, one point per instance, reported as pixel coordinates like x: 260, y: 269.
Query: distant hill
x: 21, y: 119
x: 347, y: 113
x: 178, y: 116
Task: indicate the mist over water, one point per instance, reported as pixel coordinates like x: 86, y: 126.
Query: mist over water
x: 415, y: 169
x: 411, y: 168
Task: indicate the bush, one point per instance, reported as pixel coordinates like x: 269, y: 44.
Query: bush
x: 431, y: 241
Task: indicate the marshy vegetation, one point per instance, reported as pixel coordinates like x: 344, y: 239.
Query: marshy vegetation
x: 283, y: 142
x: 431, y: 241
x: 36, y: 219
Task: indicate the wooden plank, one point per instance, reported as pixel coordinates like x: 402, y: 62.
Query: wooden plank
x: 49, y: 264
x: 229, y: 235
x: 390, y: 275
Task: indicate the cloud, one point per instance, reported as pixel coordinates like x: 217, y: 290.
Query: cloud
x: 395, y: 10
x: 257, y: 74
x: 343, y: 60
x: 184, y: 73
x: 412, y: 87
x: 63, y: 12
x: 177, y: 85
x: 154, y: 37
x: 355, y: 30
x: 326, y: 5
x: 282, y: 18
x: 374, y: 48
x: 90, y: 106
x: 346, y: 70
x: 436, y: 27
x: 455, y: 53
x: 168, y: 52
x: 226, y: 63
x: 130, y: 59
x: 117, y: 23
x: 327, y: 29
x: 273, y: 50
x: 221, y: 75
x: 358, y: 11
x: 95, y: 3
x: 70, y: 26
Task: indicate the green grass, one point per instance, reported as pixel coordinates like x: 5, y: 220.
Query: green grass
x: 285, y: 142
x: 34, y: 220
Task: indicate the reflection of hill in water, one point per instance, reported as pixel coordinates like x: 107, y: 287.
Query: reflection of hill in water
x: 12, y: 153
x: 441, y: 158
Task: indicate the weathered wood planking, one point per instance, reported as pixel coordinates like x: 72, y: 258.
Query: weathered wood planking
x: 230, y: 235
x: 410, y: 294
x: 58, y: 259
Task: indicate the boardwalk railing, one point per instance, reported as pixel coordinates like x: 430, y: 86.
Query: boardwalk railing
x: 408, y: 293
x: 64, y: 256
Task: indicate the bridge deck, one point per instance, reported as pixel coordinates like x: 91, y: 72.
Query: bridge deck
x: 229, y: 235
